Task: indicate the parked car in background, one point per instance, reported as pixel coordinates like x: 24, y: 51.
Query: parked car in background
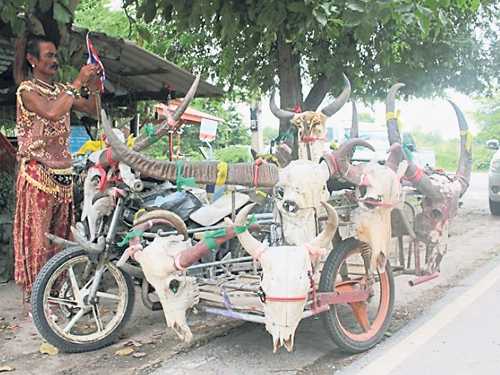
x: 378, y: 138
x: 494, y: 177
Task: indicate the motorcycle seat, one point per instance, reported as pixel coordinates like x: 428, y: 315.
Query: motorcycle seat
x: 218, y: 210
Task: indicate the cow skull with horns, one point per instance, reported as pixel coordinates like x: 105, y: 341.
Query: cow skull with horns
x: 164, y: 262
x: 311, y: 126
x: 286, y: 276
x: 441, y: 192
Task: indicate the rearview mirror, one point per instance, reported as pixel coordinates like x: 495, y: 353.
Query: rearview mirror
x: 492, y: 144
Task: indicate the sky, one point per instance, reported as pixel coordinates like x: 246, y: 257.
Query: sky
x: 429, y: 115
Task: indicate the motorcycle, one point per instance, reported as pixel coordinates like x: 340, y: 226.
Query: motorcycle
x: 81, y: 300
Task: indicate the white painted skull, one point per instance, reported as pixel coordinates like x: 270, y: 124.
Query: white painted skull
x: 176, y: 291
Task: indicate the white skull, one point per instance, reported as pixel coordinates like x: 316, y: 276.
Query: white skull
x: 311, y: 129
x: 286, y: 272
x: 301, y: 188
x: 285, y: 283
x: 176, y: 291
x: 373, y: 220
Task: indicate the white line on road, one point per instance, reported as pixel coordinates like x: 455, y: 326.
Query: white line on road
x: 392, y: 358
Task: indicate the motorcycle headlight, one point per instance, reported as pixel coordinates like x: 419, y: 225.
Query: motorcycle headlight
x: 495, y: 165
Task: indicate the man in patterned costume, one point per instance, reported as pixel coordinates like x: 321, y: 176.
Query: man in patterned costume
x: 44, y: 184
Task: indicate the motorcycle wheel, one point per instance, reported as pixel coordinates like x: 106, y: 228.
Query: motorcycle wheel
x: 356, y: 326
x: 61, y: 308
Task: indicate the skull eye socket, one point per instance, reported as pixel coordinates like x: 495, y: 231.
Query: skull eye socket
x: 436, y: 214
x: 362, y: 190
x: 290, y: 206
x: 174, y: 285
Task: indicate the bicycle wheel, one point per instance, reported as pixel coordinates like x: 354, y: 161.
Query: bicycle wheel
x: 356, y: 326
x: 62, y: 310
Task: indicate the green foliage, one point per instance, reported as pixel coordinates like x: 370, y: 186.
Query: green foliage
x: 448, y: 152
x: 269, y: 133
x: 487, y: 117
x: 230, y: 132
x: 7, y: 194
x: 98, y: 15
x: 365, y: 117
x: 234, y: 154
x: 429, y: 45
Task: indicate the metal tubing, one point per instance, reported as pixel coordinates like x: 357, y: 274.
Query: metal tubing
x: 343, y: 297
x: 233, y: 314
x: 217, y: 263
x: 422, y: 279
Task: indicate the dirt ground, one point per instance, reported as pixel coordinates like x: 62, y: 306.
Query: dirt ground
x: 474, y: 240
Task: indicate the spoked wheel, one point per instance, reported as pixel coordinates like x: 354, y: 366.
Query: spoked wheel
x: 63, y: 311
x: 356, y: 326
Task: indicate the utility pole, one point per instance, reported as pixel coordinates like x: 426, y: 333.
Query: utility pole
x: 256, y: 127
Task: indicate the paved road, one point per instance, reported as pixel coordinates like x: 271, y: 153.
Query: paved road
x: 459, y: 335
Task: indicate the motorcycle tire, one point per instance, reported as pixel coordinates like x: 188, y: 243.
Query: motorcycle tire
x: 61, y: 306
x: 355, y: 327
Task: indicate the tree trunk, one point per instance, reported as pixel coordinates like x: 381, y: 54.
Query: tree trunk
x: 289, y: 76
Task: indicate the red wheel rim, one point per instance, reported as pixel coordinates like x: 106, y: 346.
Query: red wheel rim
x: 370, y: 327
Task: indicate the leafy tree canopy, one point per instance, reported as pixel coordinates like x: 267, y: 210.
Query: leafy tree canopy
x: 487, y: 117
x: 253, y: 46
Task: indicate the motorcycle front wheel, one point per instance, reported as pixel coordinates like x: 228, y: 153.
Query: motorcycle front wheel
x: 63, y: 311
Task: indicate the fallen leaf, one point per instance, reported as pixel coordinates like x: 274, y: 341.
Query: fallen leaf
x: 136, y: 343
x: 139, y: 355
x: 199, y: 327
x: 49, y: 349
x: 158, y: 333
x: 103, y: 311
x: 129, y: 343
x: 13, y: 327
x: 5, y: 368
x: 125, y: 351
x: 147, y: 341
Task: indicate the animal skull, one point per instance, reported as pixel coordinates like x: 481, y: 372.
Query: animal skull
x: 301, y: 188
x: 311, y: 126
x: 286, y: 273
x: 176, y: 291
x: 379, y: 192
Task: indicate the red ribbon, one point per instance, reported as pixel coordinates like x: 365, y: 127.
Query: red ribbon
x: 258, y: 162
x: 109, y: 159
x: 415, y: 177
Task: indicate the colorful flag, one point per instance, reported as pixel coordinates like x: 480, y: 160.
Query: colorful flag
x: 94, y: 59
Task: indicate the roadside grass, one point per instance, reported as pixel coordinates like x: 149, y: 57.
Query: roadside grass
x: 448, y: 153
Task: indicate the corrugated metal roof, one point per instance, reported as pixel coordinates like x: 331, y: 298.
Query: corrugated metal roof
x: 135, y: 69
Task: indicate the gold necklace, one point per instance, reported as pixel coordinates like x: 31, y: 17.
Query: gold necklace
x: 37, y: 81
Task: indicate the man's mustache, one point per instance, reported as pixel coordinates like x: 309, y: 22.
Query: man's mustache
x: 54, y: 66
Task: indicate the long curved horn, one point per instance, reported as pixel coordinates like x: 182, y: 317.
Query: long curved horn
x: 172, y: 217
x: 351, y: 173
x: 339, y: 102
x: 90, y: 247
x: 355, y: 124
x: 392, y: 124
x: 247, y: 174
x: 395, y: 156
x: 249, y: 243
x: 187, y: 100
x: 144, y: 141
x: 465, y: 162
x: 278, y: 112
x: 327, y: 234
